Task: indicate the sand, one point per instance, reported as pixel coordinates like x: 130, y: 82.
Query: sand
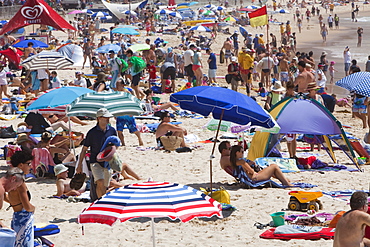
x: 193, y: 169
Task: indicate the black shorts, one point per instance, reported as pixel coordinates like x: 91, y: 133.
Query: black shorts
x: 169, y: 72
x: 265, y: 70
x: 189, y: 70
x: 135, y: 79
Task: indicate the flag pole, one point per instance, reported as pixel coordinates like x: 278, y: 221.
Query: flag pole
x: 268, y: 50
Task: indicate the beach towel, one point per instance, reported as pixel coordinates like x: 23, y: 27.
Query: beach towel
x: 287, y: 232
x: 342, y: 195
x: 286, y: 165
x: 22, y: 224
x: 42, y: 156
x: 7, y: 237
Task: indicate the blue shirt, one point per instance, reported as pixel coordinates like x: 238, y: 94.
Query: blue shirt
x: 212, y: 64
x: 95, y: 139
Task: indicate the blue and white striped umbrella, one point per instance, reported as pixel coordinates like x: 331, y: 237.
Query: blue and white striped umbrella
x: 163, y: 12
x: 282, y: 11
x: 358, y: 82
x: 200, y: 29
x: 117, y: 103
x: 50, y: 60
x: 87, y: 11
x: 108, y: 47
x: 210, y: 6
x: 100, y: 14
x: 130, y: 12
x: 251, y: 7
x: 218, y: 8
x: 175, y: 14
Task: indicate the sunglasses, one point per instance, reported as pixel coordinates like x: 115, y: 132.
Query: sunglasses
x: 50, y: 116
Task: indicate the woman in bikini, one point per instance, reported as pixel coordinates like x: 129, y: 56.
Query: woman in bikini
x: 197, y: 67
x: 87, y: 52
x: 273, y: 170
x: 19, y: 200
x: 148, y: 99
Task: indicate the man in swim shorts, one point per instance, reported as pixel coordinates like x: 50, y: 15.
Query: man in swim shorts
x: 128, y: 121
x: 227, y: 46
x: 165, y: 128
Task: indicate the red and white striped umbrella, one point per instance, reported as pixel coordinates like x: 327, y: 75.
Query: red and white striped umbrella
x: 153, y: 200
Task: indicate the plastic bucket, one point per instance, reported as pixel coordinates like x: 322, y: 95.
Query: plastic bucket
x: 278, y: 218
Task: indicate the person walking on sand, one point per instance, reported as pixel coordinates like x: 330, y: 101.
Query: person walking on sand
x: 336, y: 21
x: 347, y: 60
x: 367, y: 65
x: 324, y: 32
x: 350, y: 228
x: 360, y: 31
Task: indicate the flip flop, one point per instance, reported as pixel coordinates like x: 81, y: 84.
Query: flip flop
x: 77, y: 181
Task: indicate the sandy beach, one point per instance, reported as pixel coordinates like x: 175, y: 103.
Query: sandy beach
x: 253, y: 205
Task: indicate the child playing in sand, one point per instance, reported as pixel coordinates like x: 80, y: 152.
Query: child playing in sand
x: 331, y: 71
x: 63, y: 181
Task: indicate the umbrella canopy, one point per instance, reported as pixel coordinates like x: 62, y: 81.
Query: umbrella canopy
x: 72, y: 51
x: 219, y: 8
x: 47, y: 60
x: 139, y: 47
x: 130, y: 12
x: 208, y: 12
x: 100, y: 14
x: 87, y: 11
x: 125, y: 30
x: 282, y: 11
x: 128, y: 26
x: 200, y: 28
x: 104, y: 18
x: 150, y: 199
x: 210, y: 6
x: 118, y: 103
x: 13, y: 54
x: 230, y: 18
x: 163, y: 12
x: 175, y: 14
x: 36, y: 44
x: 108, y: 47
x: 53, y: 99
x: 187, y: 4
x: 75, y: 12
x: 238, y: 108
x: 358, y: 82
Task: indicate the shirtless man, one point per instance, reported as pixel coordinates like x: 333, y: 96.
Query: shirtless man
x: 167, y: 129
x: 350, y: 228
x: 63, y: 181
x: 284, y: 69
x: 228, y: 45
x: 151, y: 54
x: 224, y: 149
x: 304, y: 77
x: 29, y: 51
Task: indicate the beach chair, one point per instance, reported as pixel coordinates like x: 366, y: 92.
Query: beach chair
x: 240, y: 175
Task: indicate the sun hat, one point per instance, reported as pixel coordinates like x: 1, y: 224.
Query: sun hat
x: 103, y: 112
x: 22, y: 138
x: 332, y: 62
x: 277, y: 87
x: 23, y: 129
x: 312, y: 86
x: 60, y: 168
x: 323, y: 53
x: 234, y: 59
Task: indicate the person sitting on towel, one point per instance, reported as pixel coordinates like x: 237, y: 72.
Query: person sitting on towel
x: 63, y: 188
x: 165, y: 128
x: 350, y: 228
x: 273, y: 170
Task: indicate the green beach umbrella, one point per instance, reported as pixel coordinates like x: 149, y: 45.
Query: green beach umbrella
x: 117, y: 103
x: 139, y: 47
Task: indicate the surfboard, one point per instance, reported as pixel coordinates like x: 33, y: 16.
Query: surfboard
x: 195, y: 22
x: 7, y: 117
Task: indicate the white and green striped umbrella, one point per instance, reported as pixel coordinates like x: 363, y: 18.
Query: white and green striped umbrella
x: 118, y: 103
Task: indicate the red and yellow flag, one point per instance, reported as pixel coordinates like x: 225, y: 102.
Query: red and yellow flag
x: 258, y: 17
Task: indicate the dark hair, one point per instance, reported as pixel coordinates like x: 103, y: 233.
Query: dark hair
x: 148, y: 92
x: 358, y: 200
x: 290, y: 85
x: 222, y: 146
x: 30, y: 44
x: 20, y: 157
x: 234, y: 149
x: 302, y: 64
x: 46, y: 136
x: 164, y: 114
x: 129, y: 52
x: 354, y: 61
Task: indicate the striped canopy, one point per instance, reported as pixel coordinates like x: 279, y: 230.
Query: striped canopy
x: 47, y: 60
x: 357, y: 82
x: 118, y: 103
x: 150, y: 199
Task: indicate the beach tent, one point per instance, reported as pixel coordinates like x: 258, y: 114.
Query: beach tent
x: 36, y: 12
x: 302, y: 116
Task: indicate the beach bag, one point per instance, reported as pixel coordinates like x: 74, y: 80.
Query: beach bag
x: 115, y: 163
x: 138, y: 64
x: 45, y: 230
x: 171, y: 143
x: 124, y: 64
x: 228, y: 78
x: 7, y: 132
x: 221, y: 195
x: 222, y: 56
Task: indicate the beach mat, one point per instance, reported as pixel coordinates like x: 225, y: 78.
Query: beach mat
x: 325, y: 233
x: 286, y: 165
x: 342, y: 195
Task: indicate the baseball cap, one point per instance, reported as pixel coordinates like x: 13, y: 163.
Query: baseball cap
x: 234, y: 59
x: 111, y: 52
x: 23, y: 129
x: 78, y: 73
x: 103, y: 112
x: 169, y: 49
x: 58, y: 169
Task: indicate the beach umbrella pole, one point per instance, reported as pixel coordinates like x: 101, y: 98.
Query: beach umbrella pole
x: 153, y: 232
x: 213, y: 149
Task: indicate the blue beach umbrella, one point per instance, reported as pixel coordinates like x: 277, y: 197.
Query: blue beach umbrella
x: 175, y: 14
x: 358, y: 82
x: 87, y: 11
x: 100, y: 14
x: 54, y: 99
x: 109, y: 47
x: 36, y: 44
x: 210, y: 6
x: 125, y: 31
x: 130, y: 12
x: 163, y: 12
x: 200, y: 29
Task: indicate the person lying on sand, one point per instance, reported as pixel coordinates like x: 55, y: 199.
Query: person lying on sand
x: 63, y: 188
x: 167, y: 129
x: 351, y: 226
x: 273, y: 170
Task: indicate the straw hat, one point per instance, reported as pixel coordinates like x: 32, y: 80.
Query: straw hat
x: 312, y: 86
x: 22, y: 138
x: 277, y: 87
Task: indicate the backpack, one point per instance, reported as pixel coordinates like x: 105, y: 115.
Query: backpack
x: 124, y: 64
x: 138, y: 64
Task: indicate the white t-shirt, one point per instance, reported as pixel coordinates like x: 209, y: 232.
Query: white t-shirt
x: 322, y: 82
x: 41, y: 74
x: 114, y: 62
x: 3, y: 80
x: 82, y: 82
x: 268, y: 63
x: 55, y: 82
x: 347, y: 57
x: 187, y: 57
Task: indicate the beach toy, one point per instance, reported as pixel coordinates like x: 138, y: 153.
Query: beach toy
x: 303, y: 201
x: 278, y: 218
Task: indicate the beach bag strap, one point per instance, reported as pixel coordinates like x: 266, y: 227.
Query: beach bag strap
x: 171, y: 143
